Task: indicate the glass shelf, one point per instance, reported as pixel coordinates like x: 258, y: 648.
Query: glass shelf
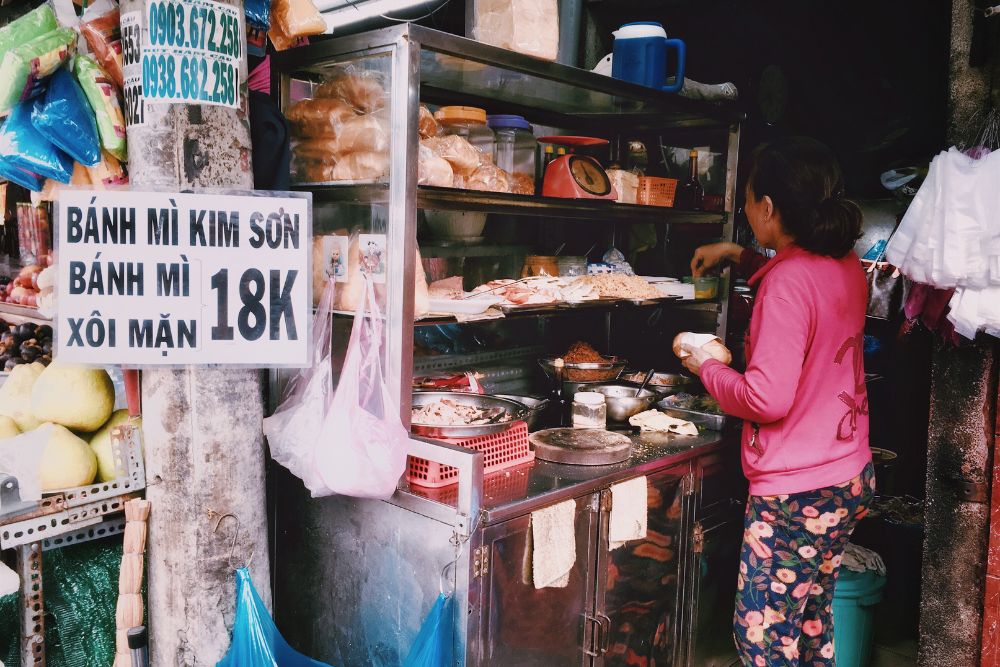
x: 451, y: 199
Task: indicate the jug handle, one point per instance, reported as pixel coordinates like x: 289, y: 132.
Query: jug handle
x: 678, y: 83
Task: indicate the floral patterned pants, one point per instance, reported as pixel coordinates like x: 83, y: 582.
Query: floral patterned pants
x: 792, y: 548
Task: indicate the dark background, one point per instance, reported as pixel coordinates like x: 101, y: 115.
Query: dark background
x: 867, y: 77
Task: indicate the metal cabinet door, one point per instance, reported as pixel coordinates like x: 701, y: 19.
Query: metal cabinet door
x: 530, y: 627
x: 639, y: 586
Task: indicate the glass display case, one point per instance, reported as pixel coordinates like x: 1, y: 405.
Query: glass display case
x: 363, y: 573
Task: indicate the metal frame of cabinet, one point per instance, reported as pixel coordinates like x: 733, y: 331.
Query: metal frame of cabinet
x: 354, y: 578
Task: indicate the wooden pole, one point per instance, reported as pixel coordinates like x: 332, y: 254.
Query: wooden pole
x: 202, y: 427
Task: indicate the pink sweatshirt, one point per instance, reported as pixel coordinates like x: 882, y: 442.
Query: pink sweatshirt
x: 804, y: 386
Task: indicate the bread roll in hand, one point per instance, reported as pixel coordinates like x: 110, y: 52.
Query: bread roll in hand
x: 707, y: 342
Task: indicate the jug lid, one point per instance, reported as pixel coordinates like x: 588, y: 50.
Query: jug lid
x: 504, y: 121
x: 639, y: 30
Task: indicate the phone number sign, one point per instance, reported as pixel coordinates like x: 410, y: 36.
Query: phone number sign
x: 192, y: 52
x: 168, y: 279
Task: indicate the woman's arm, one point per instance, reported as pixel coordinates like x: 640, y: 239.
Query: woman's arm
x: 765, y: 393
x: 709, y: 256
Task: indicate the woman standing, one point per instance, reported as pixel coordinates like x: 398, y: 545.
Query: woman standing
x: 803, y: 399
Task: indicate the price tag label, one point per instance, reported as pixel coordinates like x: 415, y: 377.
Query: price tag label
x: 192, y: 52
x: 171, y: 279
x: 131, y: 23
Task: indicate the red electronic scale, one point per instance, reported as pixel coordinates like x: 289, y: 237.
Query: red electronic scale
x: 576, y: 176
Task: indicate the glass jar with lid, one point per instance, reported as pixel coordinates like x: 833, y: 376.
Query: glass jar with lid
x: 572, y: 266
x: 470, y: 124
x: 516, y: 148
x: 590, y: 410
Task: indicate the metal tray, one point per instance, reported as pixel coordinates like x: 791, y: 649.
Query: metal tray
x: 518, y: 412
x: 701, y: 419
x: 511, y: 309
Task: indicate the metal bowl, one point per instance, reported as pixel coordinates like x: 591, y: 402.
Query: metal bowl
x: 516, y: 412
x: 622, y: 402
x: 664, y: 384
x: 534, y: 404
x: 602, y: 371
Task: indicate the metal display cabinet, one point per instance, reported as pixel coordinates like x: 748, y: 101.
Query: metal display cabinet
x: 353, y: 579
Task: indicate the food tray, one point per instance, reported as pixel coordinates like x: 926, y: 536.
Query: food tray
x: 707, y: 420
x: 500, y: 451
x: 511, y: 309
x: 464, y: 431
x: 470, y: 306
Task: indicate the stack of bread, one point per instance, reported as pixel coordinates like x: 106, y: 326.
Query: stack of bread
x: 342, y: 134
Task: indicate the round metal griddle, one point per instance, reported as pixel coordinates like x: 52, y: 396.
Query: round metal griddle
x: 581, y: 446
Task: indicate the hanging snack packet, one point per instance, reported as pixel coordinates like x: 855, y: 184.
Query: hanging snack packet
x: 103, y: 98
x: 25, y: 179
x: 24, y: 67
x: 293, y: 19
x: 258, y: 15
x: 64, y: 117
x: 108, y: 172
x: 23, y: 146
x: 104, y: 36
x: 34, y: 24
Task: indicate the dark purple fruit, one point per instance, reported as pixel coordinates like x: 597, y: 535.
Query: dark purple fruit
x: 13, y: 361
x: 43, y: 331
x: 27, y: 330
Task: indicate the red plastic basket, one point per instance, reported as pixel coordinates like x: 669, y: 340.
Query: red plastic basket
x: 499, y: 488
x: 500, y: 451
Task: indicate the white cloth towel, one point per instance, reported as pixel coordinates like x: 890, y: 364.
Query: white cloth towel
x: 553, y: 544
x: 629, y: 510
x: 9, y: 582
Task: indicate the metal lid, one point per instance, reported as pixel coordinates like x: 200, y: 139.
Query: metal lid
x: 581, y: 446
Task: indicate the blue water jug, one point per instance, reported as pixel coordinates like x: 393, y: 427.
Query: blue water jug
x: 640, y: 56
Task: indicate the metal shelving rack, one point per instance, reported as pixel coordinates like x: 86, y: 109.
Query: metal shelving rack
x: 69, y: 516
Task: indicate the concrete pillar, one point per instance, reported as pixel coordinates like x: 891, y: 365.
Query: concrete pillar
x: 204, y: 446
x: 963, y: 397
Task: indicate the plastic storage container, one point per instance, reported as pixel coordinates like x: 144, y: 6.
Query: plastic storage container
x: 515, y: 151
x: 590, y: 410
x: 572, y: 266
x: 854, y: 601
x: 470, y: 124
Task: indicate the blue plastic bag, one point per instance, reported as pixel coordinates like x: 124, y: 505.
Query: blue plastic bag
x: 21, y: 145
x: 64, y: 117
x: 25, y: 179
x: 434, y: 645
x: 256, y: 641
x: 258, y: 14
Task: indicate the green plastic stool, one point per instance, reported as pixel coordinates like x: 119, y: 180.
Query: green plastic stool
x: 854, y: 600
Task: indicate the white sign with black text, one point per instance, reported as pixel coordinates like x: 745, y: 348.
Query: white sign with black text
x: 168, y: 279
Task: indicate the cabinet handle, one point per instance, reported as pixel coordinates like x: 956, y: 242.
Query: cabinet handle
x: 605, y: 625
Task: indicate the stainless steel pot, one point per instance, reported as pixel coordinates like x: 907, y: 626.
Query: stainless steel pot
x: 515, y: 412
x: 622, y: 402
x: 534, y: 404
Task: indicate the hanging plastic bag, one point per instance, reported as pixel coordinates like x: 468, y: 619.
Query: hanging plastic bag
x: 64, y: 117
x: 21, y: 145
x: 292, y: 430
x: 34, y: 24
x: 256, y: 641
x: 292, y: 20
x: 25, y: 67
x: 103, y: 98
x: 104, y: 36
x: 106, y: 173
x: 434, y: 645
x: 22, y: 177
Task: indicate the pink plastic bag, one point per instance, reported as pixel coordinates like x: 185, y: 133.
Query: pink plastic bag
x: 353, y: 442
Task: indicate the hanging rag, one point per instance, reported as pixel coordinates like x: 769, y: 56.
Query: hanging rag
x: 859, y: 559
x: 553, y: 544
x: 269, y: 135
x: 629, y: 510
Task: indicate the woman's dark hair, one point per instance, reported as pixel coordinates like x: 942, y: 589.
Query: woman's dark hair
x: 803, y: 179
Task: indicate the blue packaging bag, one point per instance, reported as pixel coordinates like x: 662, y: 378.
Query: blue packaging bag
x: 25, y: 179
x: 258, y: 14
x: 64, y: 117
x: 256, y: 641
x: 21, y: 145
x: 433, y: 646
